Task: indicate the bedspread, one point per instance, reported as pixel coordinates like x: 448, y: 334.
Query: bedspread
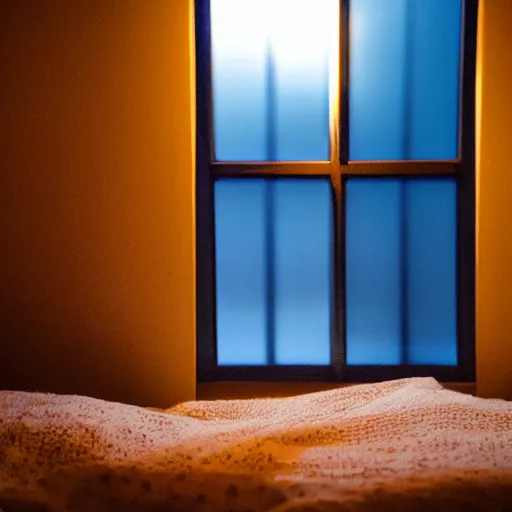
x: 400, y: 445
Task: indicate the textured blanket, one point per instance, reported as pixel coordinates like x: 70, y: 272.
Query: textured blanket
x: 406, y: 445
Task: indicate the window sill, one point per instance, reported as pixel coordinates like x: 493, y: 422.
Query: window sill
x: 242, y: 390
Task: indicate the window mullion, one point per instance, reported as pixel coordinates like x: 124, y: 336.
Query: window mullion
x: 398, y: 168
x: 269, y: 169
x: 338, y: 269
x: 344, y: 66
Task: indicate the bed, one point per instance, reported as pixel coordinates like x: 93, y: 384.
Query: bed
x: 404, y: 445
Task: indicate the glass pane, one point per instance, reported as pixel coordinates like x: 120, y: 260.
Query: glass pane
x: 432, y: 252
x: 401, y: 271
x: 303, y: 233
x: 373, y: 272
x: 273, y: 258
x: 270, y: 81
x: 240, y: 271
x: 404, y: 79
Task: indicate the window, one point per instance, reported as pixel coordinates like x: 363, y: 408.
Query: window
x: 335, y: 189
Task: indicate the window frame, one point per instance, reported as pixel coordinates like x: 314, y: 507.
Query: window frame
x: 338, y: 170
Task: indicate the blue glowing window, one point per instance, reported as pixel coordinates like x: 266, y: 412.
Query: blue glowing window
x: 404, y: 79
x: 401, y: 271
x: 341, y: 186
x: 270, y: 69
x: 273, y: 271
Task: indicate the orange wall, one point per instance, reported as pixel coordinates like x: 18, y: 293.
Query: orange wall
x: 96, y: 199
x: 494, y: 201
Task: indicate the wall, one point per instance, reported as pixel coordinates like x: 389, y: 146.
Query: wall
x: 494, y: 201
x: 96, y: 199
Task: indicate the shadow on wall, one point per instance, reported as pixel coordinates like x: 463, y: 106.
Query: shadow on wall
x: 75, y: 353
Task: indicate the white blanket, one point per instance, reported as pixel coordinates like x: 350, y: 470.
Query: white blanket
x: 406, y: 445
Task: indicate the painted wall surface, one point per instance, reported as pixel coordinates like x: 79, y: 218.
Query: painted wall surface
x: 97, y: 199
x: 494, y: 201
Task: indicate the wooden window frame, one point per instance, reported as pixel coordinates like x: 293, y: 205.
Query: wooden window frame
x: 338, y: 169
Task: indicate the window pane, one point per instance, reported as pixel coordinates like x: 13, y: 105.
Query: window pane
x: 432, y: 250
x: 273, y: 258
x: 373, y: 272
x: 404, y: 79
x: 303, y: 233
x: 270, y: 81
x: 401, y: 271
x: 240, y: 272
